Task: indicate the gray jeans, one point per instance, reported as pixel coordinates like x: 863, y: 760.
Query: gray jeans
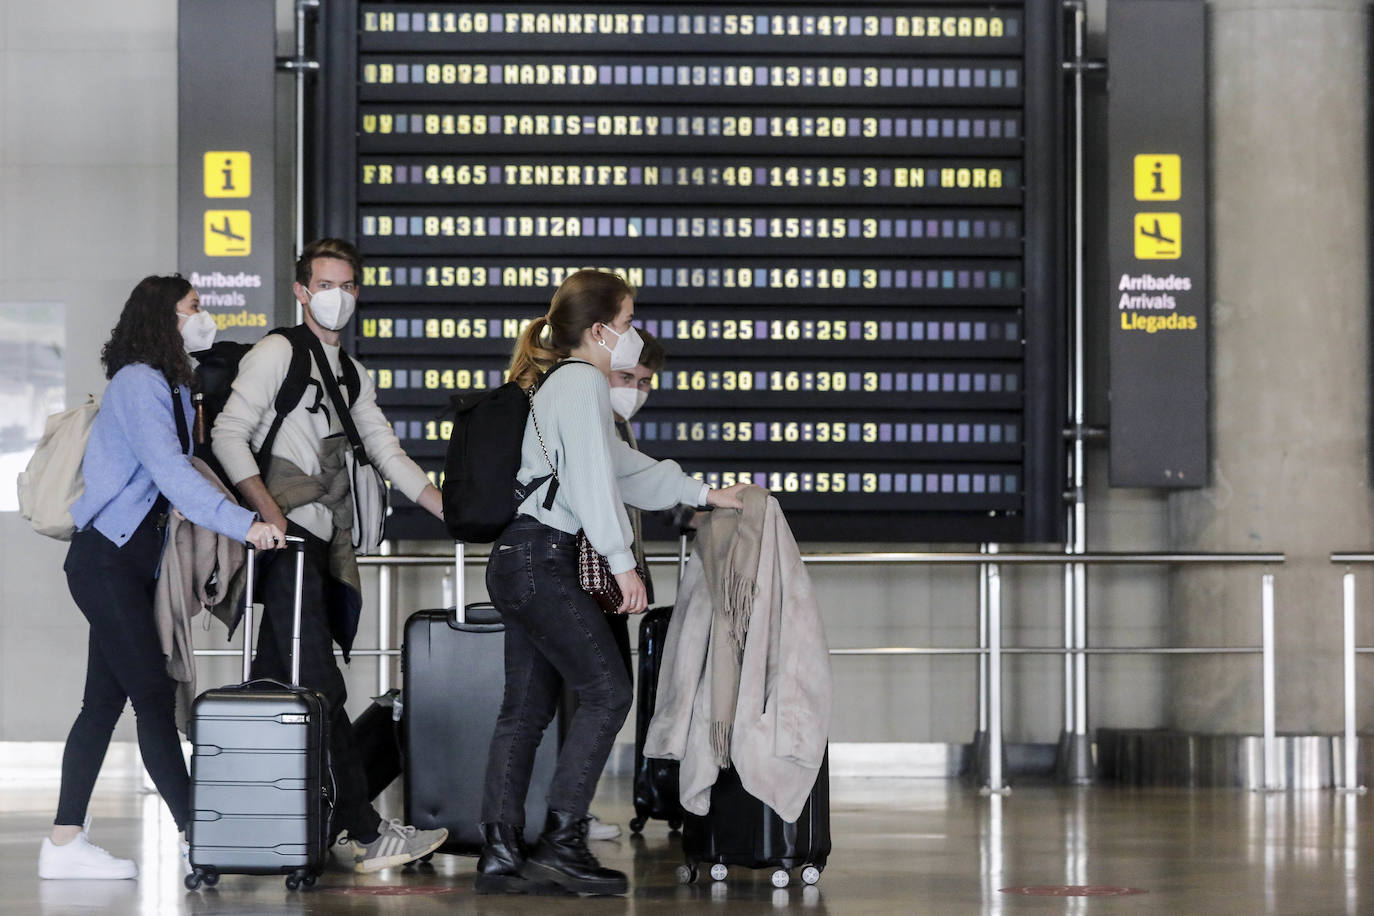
x: 555, y: 634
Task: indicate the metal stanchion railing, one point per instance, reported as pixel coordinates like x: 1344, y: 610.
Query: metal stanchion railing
x: 989, y: 688
x: 1349, y: 649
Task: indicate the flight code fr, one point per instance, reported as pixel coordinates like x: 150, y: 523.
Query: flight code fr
x: 916, y: 177
x: 730, y: 76
x: 746, y: 23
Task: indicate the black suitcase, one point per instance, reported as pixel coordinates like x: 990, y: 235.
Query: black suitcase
x: 741, y: 830
x: 656, y: 792
x: 453, y: 676
x: 259, y: 770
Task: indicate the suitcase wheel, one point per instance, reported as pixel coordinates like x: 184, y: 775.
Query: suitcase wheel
x: 781, y: 878
x: 811, y: 874
x: 299, y: 877
x: 674, y: 824
x: 211, y: 878
x: 636, y: 824
x: 193, y: 880
x: 718, y: 872
x: 686, y: 874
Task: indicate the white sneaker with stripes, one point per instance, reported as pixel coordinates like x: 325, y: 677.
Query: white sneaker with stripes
x: 396, y: 845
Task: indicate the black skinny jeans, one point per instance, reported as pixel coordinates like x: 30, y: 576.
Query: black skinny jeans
x: 113, y: 586
x: 319, y: 669
x: 555, y: 633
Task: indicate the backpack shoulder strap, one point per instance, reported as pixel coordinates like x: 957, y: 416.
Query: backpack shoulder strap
x: 348, y: 366
x: 331, y: 386
x: 183, y: 434
x: 292, y: 388
x: 521, y: 493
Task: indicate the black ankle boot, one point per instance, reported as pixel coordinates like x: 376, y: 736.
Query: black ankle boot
x: 562, y: 856
x: 498, y: 867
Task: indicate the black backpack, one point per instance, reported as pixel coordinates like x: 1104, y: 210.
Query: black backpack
x: 216, y: 369
x: 480, y: 490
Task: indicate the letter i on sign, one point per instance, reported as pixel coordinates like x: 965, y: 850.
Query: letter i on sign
x: 228, y: 173
x: 1158, y: 176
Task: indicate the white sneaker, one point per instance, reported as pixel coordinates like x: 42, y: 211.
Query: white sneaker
x: 599, y: 831
x: 185, y: 849
x: 82, y: 859
x: 397, y: 844
x: 344, y: 853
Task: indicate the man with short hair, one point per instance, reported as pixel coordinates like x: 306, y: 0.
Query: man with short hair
x: 301, y: 485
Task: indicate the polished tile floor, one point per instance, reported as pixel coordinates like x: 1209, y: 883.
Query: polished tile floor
x: 901, y: 846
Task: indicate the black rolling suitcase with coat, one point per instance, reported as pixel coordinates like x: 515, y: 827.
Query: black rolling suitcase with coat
x: 741, y: 830
x: 260, y: 803
x: 453, y: 671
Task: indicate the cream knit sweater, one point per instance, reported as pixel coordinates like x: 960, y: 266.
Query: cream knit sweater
x: 247, y: 416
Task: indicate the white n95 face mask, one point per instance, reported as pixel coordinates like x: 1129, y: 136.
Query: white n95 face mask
x: 198, y: 332
x: 627, y: 401
x: 332, y: 307
x: 628, y: 346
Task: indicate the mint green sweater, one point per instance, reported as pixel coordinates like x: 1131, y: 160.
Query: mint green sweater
x: 597, y: 472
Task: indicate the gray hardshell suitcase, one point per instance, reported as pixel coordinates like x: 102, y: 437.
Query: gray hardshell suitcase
x: 260, y: 801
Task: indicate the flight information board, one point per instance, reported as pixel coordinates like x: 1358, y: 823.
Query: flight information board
x: 844, y: 222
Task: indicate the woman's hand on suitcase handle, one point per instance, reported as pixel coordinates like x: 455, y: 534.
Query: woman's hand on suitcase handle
x: 265, y: 537
x: 634, y: 598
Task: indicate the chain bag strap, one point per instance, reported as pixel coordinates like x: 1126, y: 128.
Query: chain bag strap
x: 593, y: 570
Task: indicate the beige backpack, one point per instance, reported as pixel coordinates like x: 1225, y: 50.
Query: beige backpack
x: 52, y: 481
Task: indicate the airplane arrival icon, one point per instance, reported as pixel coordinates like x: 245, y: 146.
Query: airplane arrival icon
x: 229, y: 233
x: 1157, y: 234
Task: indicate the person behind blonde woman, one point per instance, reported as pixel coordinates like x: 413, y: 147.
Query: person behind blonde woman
x: 136, y: 467
x: 555, y: 633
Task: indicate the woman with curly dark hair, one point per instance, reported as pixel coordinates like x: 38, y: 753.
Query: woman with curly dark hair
x: 136, y: 467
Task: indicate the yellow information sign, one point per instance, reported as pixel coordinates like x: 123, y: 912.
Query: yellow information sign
x: 1158, y: 176
x: 1158, y: 236
x: 228, y: 233
x: 228, y: 173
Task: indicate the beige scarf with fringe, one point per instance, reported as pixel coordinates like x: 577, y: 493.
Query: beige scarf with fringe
x: 728, y: 544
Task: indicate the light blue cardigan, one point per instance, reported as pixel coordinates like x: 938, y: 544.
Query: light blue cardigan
x: 134, y: 453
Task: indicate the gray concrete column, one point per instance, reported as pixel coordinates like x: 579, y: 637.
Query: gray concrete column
x: 1290, y: 355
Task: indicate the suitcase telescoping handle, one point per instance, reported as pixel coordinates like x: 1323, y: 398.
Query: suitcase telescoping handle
x: 460, y: 598
x: 298, y: 544
x: 681, y: 556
